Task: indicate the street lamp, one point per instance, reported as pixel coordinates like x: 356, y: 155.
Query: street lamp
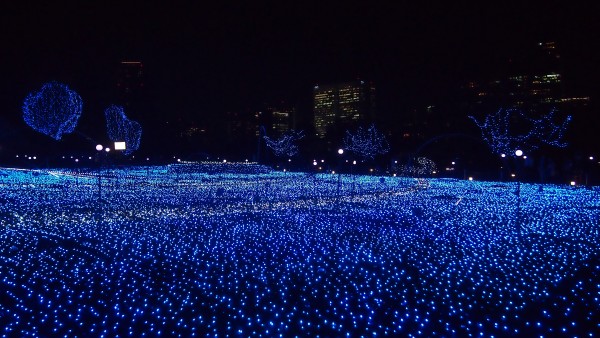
x: 340, y: 151
x: 99, y: 147
x: 519, y: 152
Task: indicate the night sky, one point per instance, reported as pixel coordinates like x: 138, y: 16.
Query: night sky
x: 204, y: 60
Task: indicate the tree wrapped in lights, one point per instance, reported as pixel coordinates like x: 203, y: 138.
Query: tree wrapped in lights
x: 286, y: 144
x: 53, y: 110
x: 366, y: 143
x: 423, y: 167
x: 120, y: 128
x: 510, y: 129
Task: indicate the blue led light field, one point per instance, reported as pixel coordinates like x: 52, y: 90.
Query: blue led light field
x: 174, y: 252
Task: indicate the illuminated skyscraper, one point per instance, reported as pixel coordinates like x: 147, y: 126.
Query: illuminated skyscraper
x: 281, y: 118
x: 534, y: 85
x: 344, y: 103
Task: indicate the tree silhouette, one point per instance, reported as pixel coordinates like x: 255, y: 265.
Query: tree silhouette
x: 285, y: 145
x: 366, y: 143
x: 121, y: 129
x: 54, y: 110
x: 510, y: 129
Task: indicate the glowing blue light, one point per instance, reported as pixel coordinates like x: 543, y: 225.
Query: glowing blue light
x: 509, y: 130
x: 121, y: 129
x: 366, y: 143
x: 53, y: 110
x: 230, y: 249
x: 286, y: 144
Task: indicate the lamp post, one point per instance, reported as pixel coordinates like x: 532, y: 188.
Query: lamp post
x: 518, y: 153
x: 99, y: 148
x: 339, y: 185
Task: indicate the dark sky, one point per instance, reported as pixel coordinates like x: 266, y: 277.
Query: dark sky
x: 206, y: 59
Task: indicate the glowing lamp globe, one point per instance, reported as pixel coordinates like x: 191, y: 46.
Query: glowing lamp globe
x: 519, y: 152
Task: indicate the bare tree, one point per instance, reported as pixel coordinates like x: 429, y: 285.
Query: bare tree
x: 286, y: 144
x: 366, y: 143
x: 510, y: 129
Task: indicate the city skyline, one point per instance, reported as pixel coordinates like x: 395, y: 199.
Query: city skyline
x: 201, y: 63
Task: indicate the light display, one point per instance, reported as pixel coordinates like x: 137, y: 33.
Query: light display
x: 509, y: 130
x: 366, y: 143
x: 53, y: 110
x: 422, y: 167
x: 202, y: 256
x: 121, y: 129
x: 286, y: 144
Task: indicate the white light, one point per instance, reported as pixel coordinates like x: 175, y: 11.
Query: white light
x: 224, y: 161
x: 502, y: 155
x: 512, y: 175
x: 353, y: 162
x: 573, y: 183
x: 525, y: 157
x: 470, y: 178
x: 315, y: 162
x: 340, y: 151
x: 519, y: 152
x: 591, y: 158
x: 333, y: 171
x: 120, y: 146
x: 107, y: 149
x: 453, y: 163
x: 35, y: 158
x: 99, y: 147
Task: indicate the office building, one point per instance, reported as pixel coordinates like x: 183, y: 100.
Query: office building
x: 342, y: 104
